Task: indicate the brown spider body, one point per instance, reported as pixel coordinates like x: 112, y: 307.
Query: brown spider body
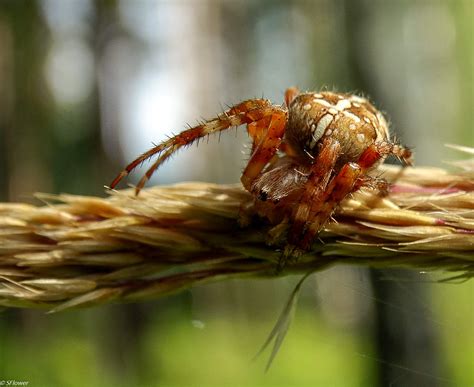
x: 306, y: 157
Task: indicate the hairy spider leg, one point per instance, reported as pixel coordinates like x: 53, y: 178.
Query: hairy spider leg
x: 231, y: 120
x: 270, y: 130
x: 290, y: 95
x: 346, y: 181
x: 246, y: 112
x: 377, y: 150
x: 314, y: 188
x: 373, y: 182
x: 404, y: 154
x: 341, y: 186
x: 257, y: 134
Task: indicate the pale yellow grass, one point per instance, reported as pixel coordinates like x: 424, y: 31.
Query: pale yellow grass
x: 80, y: 251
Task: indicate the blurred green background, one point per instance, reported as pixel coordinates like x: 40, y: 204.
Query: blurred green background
x: 85, y: 86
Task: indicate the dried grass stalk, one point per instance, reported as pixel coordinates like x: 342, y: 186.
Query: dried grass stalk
x: 79, y: 250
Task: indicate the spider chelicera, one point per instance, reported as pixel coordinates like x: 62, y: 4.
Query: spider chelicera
x: 306, y: 157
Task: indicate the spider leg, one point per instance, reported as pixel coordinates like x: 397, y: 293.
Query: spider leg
x: 269, y: 130
x: 349, y: 179
x: 373, y: 182
x: 246, y: 112
x: 267, y: 134
x: 314, y: 188
x: 290, y: 95
x: 154, y: 167
x: 403, y: 153
x: 341, y: 185
x: 257, y: 136
x: 255, y: 132
x: 381, y: 149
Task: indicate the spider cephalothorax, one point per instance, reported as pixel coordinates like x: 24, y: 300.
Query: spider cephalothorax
x: 306, y: 156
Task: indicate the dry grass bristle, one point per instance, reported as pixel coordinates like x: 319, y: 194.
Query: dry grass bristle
x: 81, y: 251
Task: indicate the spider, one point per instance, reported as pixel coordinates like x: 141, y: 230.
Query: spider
x: 307, y: 156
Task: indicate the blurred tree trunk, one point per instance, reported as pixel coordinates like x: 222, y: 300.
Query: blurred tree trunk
x: 6, y: 100
x: 404, y: 332
x: 23, y: 118
x: 26, y: 116
x: 119, y: 330
x: 405, y: 339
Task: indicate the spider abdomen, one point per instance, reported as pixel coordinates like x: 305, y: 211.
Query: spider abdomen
x: 351, y: 120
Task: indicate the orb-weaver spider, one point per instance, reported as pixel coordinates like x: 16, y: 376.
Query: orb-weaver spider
x: 307, y: 156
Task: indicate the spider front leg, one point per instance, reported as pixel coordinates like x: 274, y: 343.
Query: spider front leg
x: 267, y: 135
x: 269, y: 131
x: 248, y: 112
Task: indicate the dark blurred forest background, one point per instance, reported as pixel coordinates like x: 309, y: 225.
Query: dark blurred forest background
x: 85, y: 86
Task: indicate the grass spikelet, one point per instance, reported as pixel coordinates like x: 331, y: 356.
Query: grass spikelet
x: 77, y: 251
